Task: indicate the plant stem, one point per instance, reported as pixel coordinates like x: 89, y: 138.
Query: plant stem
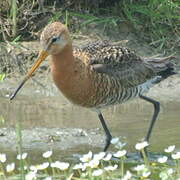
x: 19, y: 144
x: 53, y: 169
x: 66, y: 20
x: 122, y: 166
x: 2, y: 169
x: 14, y: 16
x: 145, y: 158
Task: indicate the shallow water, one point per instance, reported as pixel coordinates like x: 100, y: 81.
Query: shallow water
x: 51, y: 122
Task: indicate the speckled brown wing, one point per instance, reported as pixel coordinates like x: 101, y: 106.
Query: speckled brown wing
x: 118, y: 62
x: 124, y: 65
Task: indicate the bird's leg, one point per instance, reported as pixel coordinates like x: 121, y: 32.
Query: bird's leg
x: 106, y: 130
x: 154, y: 117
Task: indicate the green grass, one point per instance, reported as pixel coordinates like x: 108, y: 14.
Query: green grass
x: 2, y: 77
x: 157, y: 19
x: 13, y: 15
x: 19, y: 148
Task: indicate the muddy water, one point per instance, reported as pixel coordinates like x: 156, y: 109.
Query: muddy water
x: 49, y: 121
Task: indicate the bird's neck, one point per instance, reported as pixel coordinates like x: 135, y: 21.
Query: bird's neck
x: 70, y: 76
x: 63, y: 61
x: 62, y: 69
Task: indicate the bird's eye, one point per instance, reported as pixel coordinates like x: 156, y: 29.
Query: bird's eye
x: 54, y: 39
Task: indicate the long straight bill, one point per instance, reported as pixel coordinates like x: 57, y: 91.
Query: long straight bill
x: 42, y: 56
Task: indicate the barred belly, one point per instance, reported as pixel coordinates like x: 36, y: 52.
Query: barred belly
x: 122, y: 96
x: 111, y: 91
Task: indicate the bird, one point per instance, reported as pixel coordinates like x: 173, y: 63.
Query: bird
x: 99, y: 74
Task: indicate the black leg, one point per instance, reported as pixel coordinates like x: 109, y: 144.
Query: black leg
x: 154, y: 117
x: 106, y: 130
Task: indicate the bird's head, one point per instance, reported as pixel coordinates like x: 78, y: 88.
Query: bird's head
x: 54, y: 39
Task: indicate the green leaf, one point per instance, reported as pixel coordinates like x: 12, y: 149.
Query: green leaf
x: 2, y: 120
x: 2, y: 76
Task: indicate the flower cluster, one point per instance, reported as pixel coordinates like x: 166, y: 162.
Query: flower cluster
x: 98, y: 166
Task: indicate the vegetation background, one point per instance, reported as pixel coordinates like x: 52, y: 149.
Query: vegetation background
x: 156, y: 22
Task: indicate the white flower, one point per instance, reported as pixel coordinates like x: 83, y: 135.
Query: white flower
x: 48, y: 178
x: 63, y: 166
x: 25, y: 167
x: 146, y: 173
x: 120, y: 145
x: 3, y: 158
x: 99, y: 156
x: 162, y: 159
x: 22, y: 156
x: 84, y: 174
x: 170, y: 171
x: 86, y: 157
x: 111, y: 168
x: 93, y: 163
x: 47, y: 154
x: 176, y: 155
x: 120, y: 153
x: 31, y: 175
x: 97, y: 172
x: 140, y: 167
x: 53, y: 165
x: 127, y: 176
x: 60, y: 165
x: 33, y: 168
x: 107, y: 157
x: 170, y: 149
x: 10, y: 167
x: 142, y: 145
x: 163, y: 175
x: 114, y: 140
x: 43, y: 166
x: 80, y: 166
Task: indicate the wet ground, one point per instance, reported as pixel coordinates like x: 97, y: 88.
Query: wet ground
x: 49, y: 121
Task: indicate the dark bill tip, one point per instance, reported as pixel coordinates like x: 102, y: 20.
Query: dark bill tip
x: 17, y: 90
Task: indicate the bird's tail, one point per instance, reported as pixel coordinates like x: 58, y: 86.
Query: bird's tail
x: 163, y: 66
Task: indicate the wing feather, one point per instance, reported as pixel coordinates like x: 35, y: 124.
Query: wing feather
x: 118, y: 62
x: 123, y: 64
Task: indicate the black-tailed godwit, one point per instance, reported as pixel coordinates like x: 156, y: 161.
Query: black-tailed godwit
x: 99, y: 74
